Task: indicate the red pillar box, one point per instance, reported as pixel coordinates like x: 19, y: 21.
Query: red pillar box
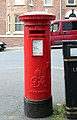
x: 37, y: 66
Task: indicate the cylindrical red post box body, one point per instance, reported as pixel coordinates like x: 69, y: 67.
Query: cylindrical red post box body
x: 37, y: 66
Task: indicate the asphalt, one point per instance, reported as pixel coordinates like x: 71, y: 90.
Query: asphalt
x: 11, y: 100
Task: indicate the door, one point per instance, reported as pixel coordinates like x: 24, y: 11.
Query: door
x: 56, y: 33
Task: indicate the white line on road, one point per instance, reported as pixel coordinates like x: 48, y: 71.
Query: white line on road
x: 11, y: 68
x: 60, y: 68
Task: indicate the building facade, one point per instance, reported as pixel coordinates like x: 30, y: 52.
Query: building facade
x: 2, y: 17
x: 11, y: 29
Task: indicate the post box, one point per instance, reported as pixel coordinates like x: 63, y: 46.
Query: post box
x: 37, y: 66
x: 70, y: 70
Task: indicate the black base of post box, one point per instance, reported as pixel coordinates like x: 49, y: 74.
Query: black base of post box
x: 38, y: 109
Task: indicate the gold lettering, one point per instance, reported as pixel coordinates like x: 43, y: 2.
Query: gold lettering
x: 74, y: 69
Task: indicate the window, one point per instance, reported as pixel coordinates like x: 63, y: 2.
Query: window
x: 69, y: 26
x: 48, y: 2
x: 70, y: 2
x: 8, y: 23
x: 30, y: 1
x: 19, y: 2
x: 18, y: 24
x: 54, y: 27
x: 8, y: 2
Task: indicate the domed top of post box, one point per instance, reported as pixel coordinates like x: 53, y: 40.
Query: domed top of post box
x: 37, y: 15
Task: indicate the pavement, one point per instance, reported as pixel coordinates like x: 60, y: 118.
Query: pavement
x: 11, y: 100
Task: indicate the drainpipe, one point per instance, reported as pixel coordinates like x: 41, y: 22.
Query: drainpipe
x: 60, y: 9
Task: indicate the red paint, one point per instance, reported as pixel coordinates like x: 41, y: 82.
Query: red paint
x: 68, y: 33
x: 37, y: 66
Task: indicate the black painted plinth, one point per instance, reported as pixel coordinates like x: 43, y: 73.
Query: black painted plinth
x: 38, y: 109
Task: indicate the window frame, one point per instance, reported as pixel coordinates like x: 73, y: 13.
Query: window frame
x: 8, y: 2
x: 19, y: 3
x: 70, y: 3
x: 47, y: 4
x: 69, y: 26
x: 31, y: 3
x: 53, y: 26
x: 19, y: 22
x: 8, y: 28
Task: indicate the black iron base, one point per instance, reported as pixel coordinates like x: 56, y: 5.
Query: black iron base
x: 38, y: 109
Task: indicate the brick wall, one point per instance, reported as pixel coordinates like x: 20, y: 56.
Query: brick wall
x: 66, y: 8
x: 2, y: 17
x: 56, y: 6
x: 12, y: 41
